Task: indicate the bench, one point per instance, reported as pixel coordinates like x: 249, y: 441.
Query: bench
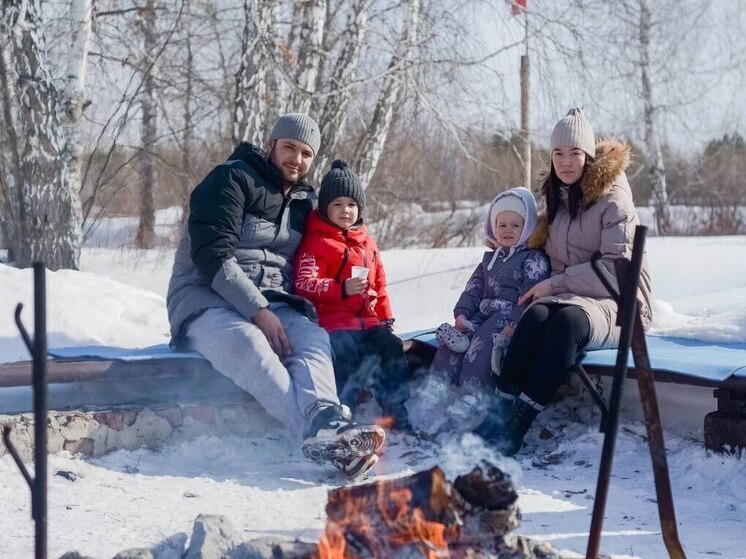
x: 110, y: 376
x: 101, y: 376
x: 677, y: 361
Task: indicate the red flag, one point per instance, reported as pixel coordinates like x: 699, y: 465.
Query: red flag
x: 517, y: 7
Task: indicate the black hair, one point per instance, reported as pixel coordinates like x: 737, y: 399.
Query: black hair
x: 550, y: 189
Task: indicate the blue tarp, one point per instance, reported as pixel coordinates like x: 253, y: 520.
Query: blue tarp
x: 113, y: 353
x: 694, y: 358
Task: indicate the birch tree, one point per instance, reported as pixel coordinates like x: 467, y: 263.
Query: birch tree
x: 11, y: 179
x: 333, y: 115
x: 371, y: 145
x: 146, y: 228
x: 657, y: 168
x: 40, y: 188
x: 658, y: 58
x: 312, y: 22
x: 188, y: 128
x: 251, y: 101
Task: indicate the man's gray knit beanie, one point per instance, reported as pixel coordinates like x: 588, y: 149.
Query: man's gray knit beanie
x: 574, y: 130
x: 297, y: 126
x: 340, y: 181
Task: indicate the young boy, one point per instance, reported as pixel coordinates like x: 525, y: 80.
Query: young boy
x: 338, y: 268
x: 487, y: 312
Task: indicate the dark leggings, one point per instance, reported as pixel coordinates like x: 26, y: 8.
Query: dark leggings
x: 544, y: 349
x: 372, y: 358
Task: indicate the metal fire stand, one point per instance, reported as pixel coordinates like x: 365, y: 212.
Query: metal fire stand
x: 38, y: 349
x: 632, y: 336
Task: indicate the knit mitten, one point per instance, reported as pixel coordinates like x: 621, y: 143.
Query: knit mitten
x: 499, y: 346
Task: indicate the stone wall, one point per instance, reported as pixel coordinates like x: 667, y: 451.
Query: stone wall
x: 96, y: 432
x: 212, y: 538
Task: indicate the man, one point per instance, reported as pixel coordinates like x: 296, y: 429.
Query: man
x: 229, y: 295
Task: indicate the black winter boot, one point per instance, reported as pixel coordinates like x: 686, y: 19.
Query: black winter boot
x: 495, y: 423
x: 493, y: 426
x: 522, y: 415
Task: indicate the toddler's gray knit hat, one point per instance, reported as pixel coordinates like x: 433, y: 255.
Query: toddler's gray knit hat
x: 297, y: 126
x: 340, y: 181
x: 574, y: 130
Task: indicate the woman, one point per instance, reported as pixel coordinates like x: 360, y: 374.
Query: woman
x: 589, y: 208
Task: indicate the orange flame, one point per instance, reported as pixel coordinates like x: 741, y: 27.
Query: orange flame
x: 397, y: 524
x: 385, y: 422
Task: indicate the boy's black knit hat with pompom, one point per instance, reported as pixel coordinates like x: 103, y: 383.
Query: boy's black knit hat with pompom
x: 340, y: 181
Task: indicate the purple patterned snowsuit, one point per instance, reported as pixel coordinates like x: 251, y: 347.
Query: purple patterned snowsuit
x: 490, y: 298
x: 489, y: 301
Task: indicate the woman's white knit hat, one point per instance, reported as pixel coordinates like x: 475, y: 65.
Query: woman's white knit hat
x: 574, y: 130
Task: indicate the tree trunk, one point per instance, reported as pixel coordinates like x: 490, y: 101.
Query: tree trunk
x: 186, y: 140
x: 74, y: 100
x: 12, y: 182
x: 329, y: 43
x: 371, y: 145
x: 312, y: 27
x: 276, y: 87
x: 657, y: 169
x: 146, y: 229
x: 48, y: 226
x: 334, y: 113
x: 251, y: 98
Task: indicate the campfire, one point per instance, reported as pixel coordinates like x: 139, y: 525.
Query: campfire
x: 422, y: 515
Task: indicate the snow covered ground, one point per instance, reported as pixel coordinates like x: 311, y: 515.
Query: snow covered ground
x: 264, y: 485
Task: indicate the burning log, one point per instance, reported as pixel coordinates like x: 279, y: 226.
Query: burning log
x: 422, y: 515
x: 487, y: 501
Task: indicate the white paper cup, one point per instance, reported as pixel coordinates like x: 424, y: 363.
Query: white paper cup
x: 359, y: 272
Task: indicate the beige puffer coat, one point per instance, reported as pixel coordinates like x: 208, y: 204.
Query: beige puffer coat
x: 606, y: 223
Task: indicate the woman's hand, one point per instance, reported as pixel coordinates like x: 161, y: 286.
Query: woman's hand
x: 541, y: 289
x: 355, y: 286
x: 508, y: 331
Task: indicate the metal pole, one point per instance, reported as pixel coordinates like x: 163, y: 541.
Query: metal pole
x: 627, y: 311
x: 39, y: 493
x: 525, y: 113
x: 38, y: 349
x: 645, y: 381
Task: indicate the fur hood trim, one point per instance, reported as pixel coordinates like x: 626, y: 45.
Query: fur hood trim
x: 612, y: 157
x: 541, y: 232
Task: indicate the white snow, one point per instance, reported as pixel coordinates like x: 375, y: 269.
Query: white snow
x: 265, y: 486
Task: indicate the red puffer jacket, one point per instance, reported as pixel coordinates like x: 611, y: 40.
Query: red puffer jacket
x: 324, y: 261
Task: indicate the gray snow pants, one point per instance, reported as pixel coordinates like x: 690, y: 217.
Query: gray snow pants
x: 289, y: 389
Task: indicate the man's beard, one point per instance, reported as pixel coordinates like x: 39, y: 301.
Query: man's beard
x: 272, y: 158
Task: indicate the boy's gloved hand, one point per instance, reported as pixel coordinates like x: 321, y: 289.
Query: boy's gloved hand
x: 388, y: 324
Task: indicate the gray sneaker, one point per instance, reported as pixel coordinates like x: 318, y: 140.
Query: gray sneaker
x: 356, y: 468
x: 334, y: 438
